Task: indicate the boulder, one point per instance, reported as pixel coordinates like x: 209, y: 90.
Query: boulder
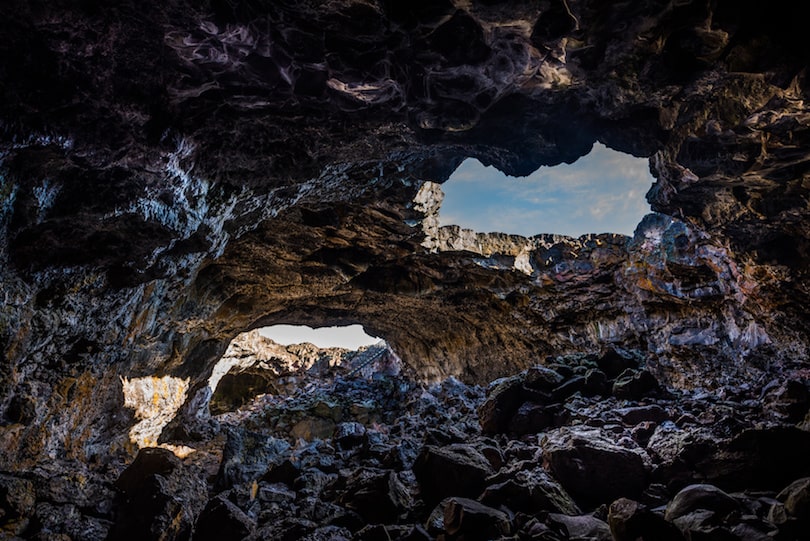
x: 634, y: 384
x: 378, y: 496
x: 504, y: 396
x: 157, y: 497
x: 248, y: 456
x: 349, y: 435
x: 696, y: 497
x: 455, y: 470
x: 583, y: 527
x: 540, y: 378
x: 615, y: 361
x: 531, y: 418
x: 17, y: 499
x: 631, y: 521
x: 593, y: 467
x: 796, y: 499
x: 639, y: 414
x: 221, y: 520
x: 474, y: 521
x: 530, y: 491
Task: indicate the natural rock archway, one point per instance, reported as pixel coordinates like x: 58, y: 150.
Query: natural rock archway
x: 174, y: 174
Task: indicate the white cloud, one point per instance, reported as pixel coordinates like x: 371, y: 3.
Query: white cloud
x: 348, y: 337
x: 602, y: 192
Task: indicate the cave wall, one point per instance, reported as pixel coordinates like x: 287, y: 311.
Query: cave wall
x: 174, y: 174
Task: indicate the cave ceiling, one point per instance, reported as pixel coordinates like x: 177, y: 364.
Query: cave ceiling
x: 174, y: 173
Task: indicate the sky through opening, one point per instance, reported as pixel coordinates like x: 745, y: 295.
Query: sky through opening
x: 349, y: 337
x: 602, y: 192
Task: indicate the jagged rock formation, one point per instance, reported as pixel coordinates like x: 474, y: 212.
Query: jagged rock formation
x: 176, y: 173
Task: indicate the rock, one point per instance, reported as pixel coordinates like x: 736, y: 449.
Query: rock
x: 703, y: 523
x: 596, y: 383
x: 311, y: 481
x: 66, y: 522
x: 540, y: 378
x: 313, y: 428
x: 640, y: 414
x: 531, y: 419
x: 633, y: 385
x: 275, y: 493
x: 474, y: 521
x: 696, y: 497
x: 503, y: 399
x: 349, y: 435
x: 221, y: 520
x: 592, y: 467
x: 379, y: 532
x: 17, y: 499
x: 796, y: 499
x: 573, y: 385
x: 615, y: 361
x: 455, y: 470
x: 248, y: 456
x: 529, y: 491
x: 631, y: 521
x: 158, y: 497
x: 583, y: 527
x: 285, y: 472
x: 762, y: 458
x: 378, y: 496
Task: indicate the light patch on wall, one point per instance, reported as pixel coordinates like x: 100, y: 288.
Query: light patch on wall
x: 602, y: 192
x: 155, y: 401
x: 348, y: 337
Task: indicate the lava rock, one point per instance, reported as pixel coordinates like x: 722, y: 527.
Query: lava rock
x: 592, y: 467
x: 639, y: 414
x: 248, y: 456
x: 631, y: 521
x: 313, y: 428
x: 158, y: 497
x: 615, y: 361
x: 504, y: 396
x: 221, y: 520
x: 596, y: 383
x: 540, y: 378
x: 583, y: 527
x: 474, y: 521
x: 796, y: 499
x: 696, y: 497
x: 530, y: 491
x: 633, y: 385
x: 349, y: 435
x: 17, y: 499
x: 378, y: 496
x: 285, y: 472
x: 531, y: 419
x: 455, y: 470
x: 380, y: 532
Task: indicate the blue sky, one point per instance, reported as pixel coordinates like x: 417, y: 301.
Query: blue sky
x: 349, y: 337
x: 602, y: 192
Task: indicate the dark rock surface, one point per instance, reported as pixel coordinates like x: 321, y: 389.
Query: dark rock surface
x: 175, y: 173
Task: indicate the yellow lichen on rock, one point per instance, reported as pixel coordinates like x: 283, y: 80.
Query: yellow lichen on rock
x: 155, y: 401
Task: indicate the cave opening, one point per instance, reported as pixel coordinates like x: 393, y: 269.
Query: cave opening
x: 602, y: 192
x: 280, y: 359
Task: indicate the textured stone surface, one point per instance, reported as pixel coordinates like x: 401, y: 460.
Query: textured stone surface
x: 173, y: 174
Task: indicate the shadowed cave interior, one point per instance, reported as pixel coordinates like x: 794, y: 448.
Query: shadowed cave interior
x: 176, y: 176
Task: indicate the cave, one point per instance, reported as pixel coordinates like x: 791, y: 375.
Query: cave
x: 175, y: 174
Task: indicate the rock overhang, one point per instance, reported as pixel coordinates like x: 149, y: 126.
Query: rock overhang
x: 176, y: 174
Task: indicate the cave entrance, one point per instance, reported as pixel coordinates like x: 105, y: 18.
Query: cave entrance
x: 278, y: 360
x: 602, y: 192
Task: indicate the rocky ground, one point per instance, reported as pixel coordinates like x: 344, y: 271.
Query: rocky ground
x: 576, y: 447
